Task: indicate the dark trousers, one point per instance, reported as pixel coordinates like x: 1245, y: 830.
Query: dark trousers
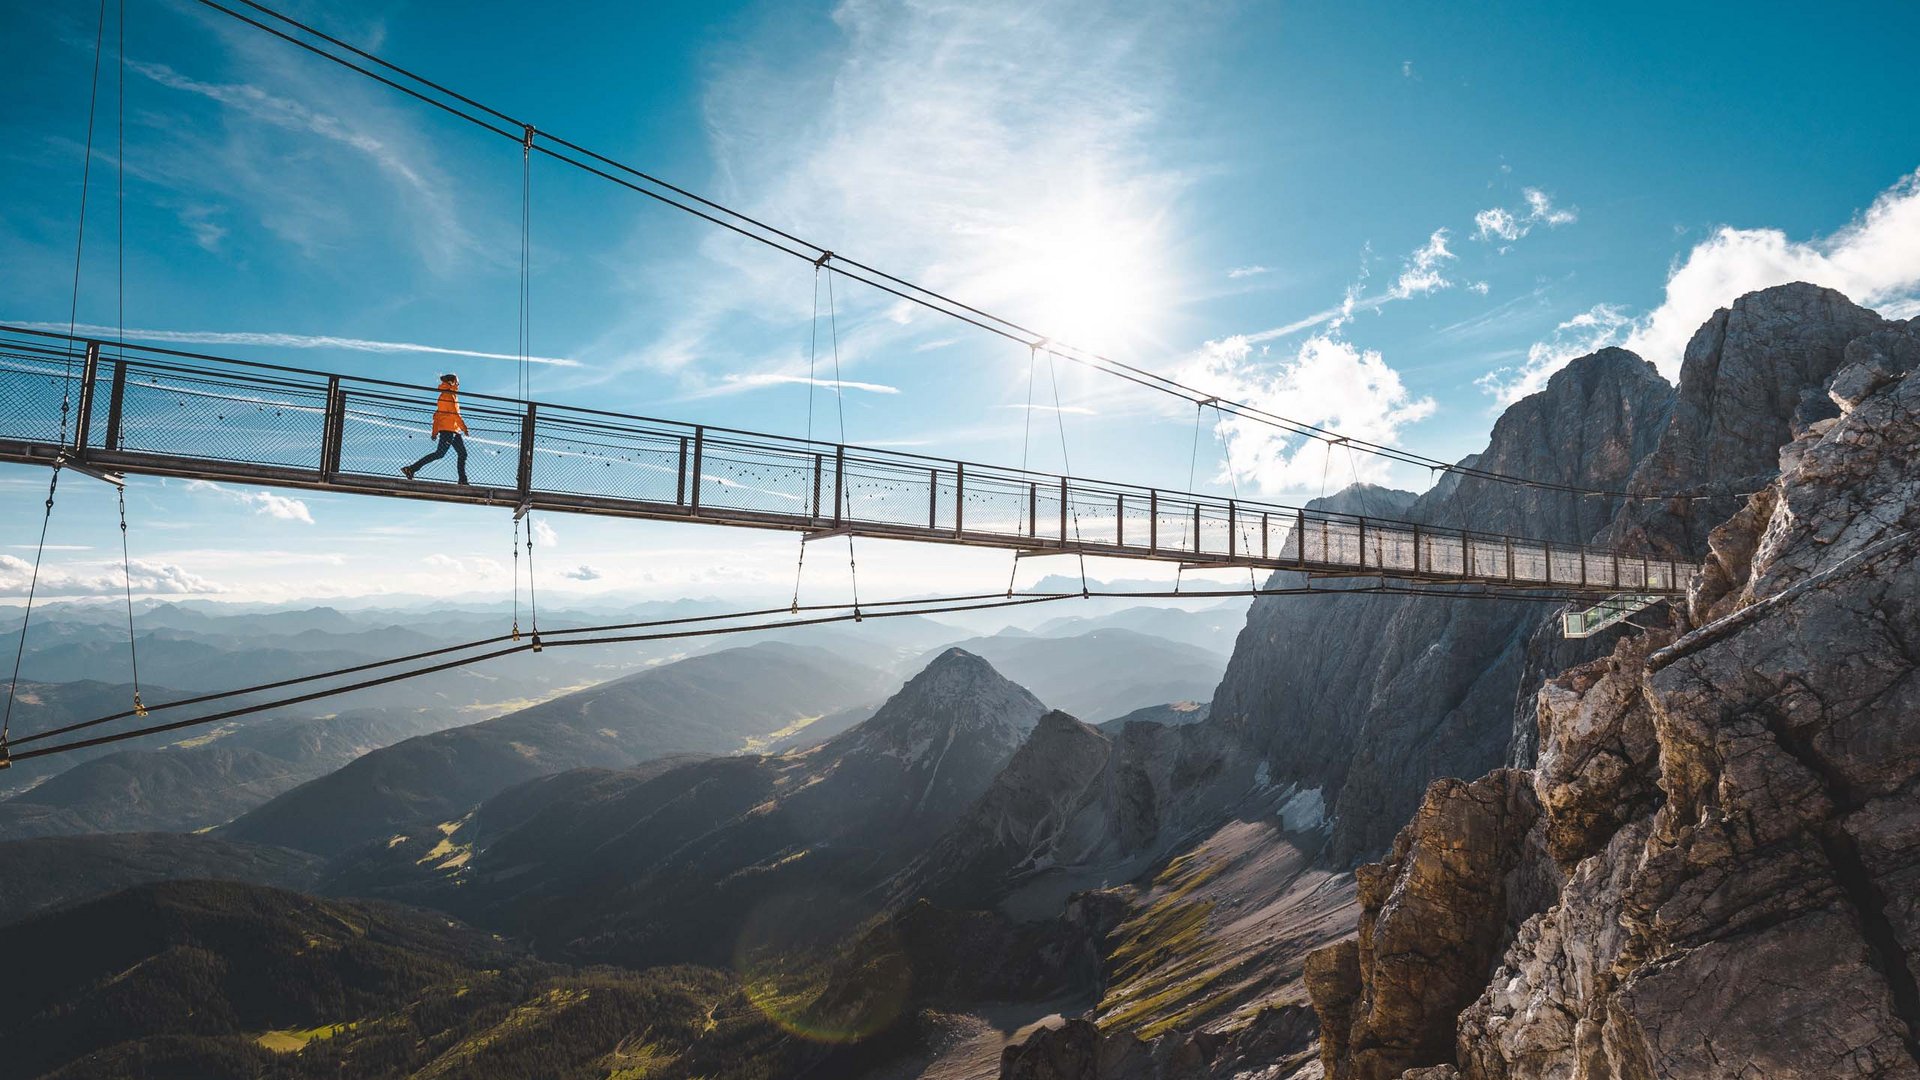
x: 449, y: 440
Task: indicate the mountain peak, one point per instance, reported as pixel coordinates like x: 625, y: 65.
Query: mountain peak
x: 958, y: 693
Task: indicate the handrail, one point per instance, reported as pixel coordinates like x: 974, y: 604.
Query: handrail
x: 364, y: 421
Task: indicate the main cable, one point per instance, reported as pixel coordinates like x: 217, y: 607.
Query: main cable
x: 923, y: 296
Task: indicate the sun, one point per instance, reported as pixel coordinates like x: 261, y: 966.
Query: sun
x: 1089, y: 276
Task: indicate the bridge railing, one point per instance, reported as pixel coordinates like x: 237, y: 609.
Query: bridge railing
x: 189, y: 414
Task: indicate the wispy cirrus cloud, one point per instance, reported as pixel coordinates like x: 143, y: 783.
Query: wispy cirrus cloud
x: 1875, y: 260
x: 737, y: 384
x: 1248, y: 271
x: 271, y: 340
x: 1500, y: 223
x: 427, y: 194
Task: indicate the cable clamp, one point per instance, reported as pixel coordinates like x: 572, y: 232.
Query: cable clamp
x: 139, y: 707
x: 526, y: 140
x: 516, y: 630
x: 6, y: 757
x: 537, y: 645
x: 822, y: 260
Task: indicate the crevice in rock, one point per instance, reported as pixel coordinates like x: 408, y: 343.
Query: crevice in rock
x: 1884, y: 951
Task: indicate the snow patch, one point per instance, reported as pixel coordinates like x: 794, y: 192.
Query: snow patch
x: 1303, y: 811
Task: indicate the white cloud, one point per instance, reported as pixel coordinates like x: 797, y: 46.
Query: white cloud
x: 263, y: 502
x: 105, y: 579
x: 1328, y: 382
x: 1480, y: 288
x: 1406, y: 70
x: 1593, y: 329
x: 581, y: 573
x: 1499, y: 223
x: 286, y: 341
x: 544, y: 533
x: 1875, y: 260
x: 1248, y: 271
x: 733, y: 384
x: 466, y: 570
x: 1423, y: 272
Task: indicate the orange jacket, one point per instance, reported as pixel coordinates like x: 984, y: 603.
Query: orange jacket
x: 446, y: 415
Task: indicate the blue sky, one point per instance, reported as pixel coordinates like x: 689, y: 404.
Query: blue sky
x: 1388, y: 218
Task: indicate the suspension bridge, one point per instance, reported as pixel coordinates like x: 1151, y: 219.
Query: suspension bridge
x: 160, y: 412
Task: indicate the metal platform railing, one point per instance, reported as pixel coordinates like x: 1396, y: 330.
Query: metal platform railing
x: 162, y: 412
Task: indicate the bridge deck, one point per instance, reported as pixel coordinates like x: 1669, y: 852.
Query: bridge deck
x: 166, y: 413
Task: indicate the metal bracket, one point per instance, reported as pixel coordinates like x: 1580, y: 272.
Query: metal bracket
x: 1214, y: 565
x: 524, y: 508
x: 826, y: 534
x: 66, y: 462
x: 1040, y: 553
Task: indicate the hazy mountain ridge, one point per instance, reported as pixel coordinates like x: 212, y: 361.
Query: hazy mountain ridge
x: 709, y: 703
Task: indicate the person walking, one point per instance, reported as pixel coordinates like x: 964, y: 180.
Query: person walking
x: 448, y: 429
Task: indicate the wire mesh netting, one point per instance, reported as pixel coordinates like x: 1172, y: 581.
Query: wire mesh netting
x: 219, y: 417
x: 218, y: 412
x: 32, y: 389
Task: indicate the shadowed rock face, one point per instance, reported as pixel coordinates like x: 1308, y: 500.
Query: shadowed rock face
x: 1367, y: 698
x: 1724, y: 870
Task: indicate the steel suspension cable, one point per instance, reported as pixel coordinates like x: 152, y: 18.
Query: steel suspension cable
x: 840, y: 405
x: 1066, y: 469
x: 813, y: 348
x: 26, y: 619
x: 126, y: 574
x: 771, y: 236
x: 1233, y: 478
x: 80, y: 234
x: 1026, y: 443
x: 897, y: 609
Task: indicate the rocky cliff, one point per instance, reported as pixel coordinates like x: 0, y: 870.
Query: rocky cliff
x: 1714, y: 869
x: 1367, y: 698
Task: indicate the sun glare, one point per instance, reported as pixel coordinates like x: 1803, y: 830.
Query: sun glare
x: 1089, y: 277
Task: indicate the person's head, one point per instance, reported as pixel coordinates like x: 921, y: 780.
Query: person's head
x: 449, y: 381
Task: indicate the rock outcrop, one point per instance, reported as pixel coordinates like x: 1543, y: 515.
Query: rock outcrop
x: 1722, y: 875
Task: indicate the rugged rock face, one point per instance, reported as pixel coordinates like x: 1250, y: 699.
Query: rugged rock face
x: 1367, y: 698
x: 1753, y: 377
x: 1722, y: 876
x: 1432, y: 918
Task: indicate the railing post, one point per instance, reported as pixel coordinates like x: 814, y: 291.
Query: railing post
x: 1063, y: 511
x: 1264, y: 531
x: 819, y: 466
x: 693, y: 477
x: 1416, y: 549
x: 1196, y: 528
x: 331, y: 427
x: 1300, y: 537
x: 1509, y: 542
x: 1583, y: 567
x: 933, y: 499
x: 1033, y: 508
x: 1646, y: 571
x: 1153, y: 521
x: 1233, y: 528
x: 1466, y: 554
x: 83, y: 420
x: 524, y: 481
x: 1546, y: 548
x: 839, y: 482
x: 115, y: 401
x: 1363, y: 543
x: 1617, y: 587
x: 680, y: 477
x: 1120, y: 520
x: 959, y: 496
